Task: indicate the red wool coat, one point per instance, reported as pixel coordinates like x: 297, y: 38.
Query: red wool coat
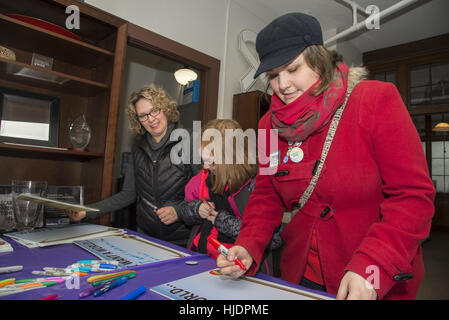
x: 371, y: 207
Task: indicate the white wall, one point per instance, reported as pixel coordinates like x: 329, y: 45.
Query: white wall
x: 209, y: 26
x: 235, y: 66
x: 199, y: 24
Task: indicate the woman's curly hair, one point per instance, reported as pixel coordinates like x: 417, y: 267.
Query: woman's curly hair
x: 159, y: 98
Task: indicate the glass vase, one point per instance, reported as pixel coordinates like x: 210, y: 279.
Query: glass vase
x: 80, y: 133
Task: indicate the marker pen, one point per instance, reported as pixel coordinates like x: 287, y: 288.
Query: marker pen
x: 93, y: 265
x: 150, y: 204
x: 224, y: 251
x: 99, y: 262
x: 100, y: 282
x: 61, y: 270
x: 50, y: 297
x: 10, y: 269
x: 90, y: 291
x: 110, y: 286
x: 51, y: 273
x: 109, y: 275
x: 58, y: 279
x: 134, y: 294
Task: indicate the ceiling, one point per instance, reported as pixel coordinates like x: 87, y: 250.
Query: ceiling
x: 423, y: 19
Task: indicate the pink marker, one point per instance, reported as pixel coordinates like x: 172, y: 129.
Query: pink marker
x: 50, y: 297
x: 58, y: 280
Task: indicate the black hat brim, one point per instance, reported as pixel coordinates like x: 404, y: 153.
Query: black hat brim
x: 278, y: 58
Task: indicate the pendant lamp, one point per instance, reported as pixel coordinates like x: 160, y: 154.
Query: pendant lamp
x: 184, y: 75
x: 441, y: 127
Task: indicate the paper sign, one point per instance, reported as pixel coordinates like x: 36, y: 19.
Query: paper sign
x: 130, y: 250
x: 55, y: 203
x: 212, y: 285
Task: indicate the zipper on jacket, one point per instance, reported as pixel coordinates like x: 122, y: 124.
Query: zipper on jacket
x: 155, y: 182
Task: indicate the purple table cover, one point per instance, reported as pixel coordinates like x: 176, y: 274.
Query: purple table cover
x: 148, y: 275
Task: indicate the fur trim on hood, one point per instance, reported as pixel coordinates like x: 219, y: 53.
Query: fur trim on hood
x: 356, y: 74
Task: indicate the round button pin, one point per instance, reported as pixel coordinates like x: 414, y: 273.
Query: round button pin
x: 296, y: 155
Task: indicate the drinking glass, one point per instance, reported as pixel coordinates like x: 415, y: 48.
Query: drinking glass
x: 26, y: 213
x: 6, y: 214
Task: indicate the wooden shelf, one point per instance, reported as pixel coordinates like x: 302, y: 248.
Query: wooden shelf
x: 70, y: 83
x: 85, y: 75
x: 50, y: 44
x: 32, y: 152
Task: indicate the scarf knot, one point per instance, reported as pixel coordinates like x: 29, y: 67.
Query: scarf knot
x: 308, y: 114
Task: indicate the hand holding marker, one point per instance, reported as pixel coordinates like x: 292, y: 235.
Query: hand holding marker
x: 224, y: 251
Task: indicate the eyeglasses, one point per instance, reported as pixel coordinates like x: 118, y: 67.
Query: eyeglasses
x: 144, y: 117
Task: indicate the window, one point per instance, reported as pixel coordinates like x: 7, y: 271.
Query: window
x: 435, y: 119
x: 440, y: 154
x: 429, y: 84
x: 420, y: 124
x: 438, y: 144
x: 440, y: 165
x: 388, y: 76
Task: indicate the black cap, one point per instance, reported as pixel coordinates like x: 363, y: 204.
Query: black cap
x: 285, y: 38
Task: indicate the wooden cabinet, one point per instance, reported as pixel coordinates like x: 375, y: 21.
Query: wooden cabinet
x: 90, y: 73
x: 249, y: 107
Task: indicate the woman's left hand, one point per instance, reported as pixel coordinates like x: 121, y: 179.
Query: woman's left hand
x: 167, y: 215
x: 212, y: 216
x: 355, y: 287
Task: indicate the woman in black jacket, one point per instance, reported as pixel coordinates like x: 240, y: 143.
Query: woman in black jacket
x: 152, y: 178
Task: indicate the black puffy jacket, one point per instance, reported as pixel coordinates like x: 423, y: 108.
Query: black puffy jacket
x: 162, y: 183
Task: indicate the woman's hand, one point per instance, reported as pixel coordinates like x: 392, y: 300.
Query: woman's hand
x: 74, y: 215
x: 167, y: 215
x: 212, y: 216
x: 227, y: 265
x: 205, y: 209
x: 355, y: 287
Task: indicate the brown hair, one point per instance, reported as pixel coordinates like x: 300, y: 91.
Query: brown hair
x: 234, y: 175
x: 323, y: 62
x: 159, y: 98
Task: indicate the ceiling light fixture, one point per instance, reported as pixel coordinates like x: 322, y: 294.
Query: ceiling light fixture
x: 441, y: 127
x: 184, y: 75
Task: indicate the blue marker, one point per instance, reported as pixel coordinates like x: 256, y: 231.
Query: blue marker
x: 90, y: 265
x: 99, y: 262
x: 92, y: 269
x: 112, y: 285
x: 107, y: 266
x: 133, y: 295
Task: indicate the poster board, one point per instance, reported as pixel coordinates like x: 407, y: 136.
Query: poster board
x: 130, y: 250
x: 212, y: 285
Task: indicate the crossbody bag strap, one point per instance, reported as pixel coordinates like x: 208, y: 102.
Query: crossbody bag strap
x: 327, y: 144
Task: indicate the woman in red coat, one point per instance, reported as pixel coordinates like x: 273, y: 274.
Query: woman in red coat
x: 358, y: 234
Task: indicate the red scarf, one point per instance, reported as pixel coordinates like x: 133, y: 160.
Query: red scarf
x: 307, y: 114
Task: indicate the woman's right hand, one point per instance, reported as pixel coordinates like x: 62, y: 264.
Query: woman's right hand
x: 74, y: 215
x: 227, y: 265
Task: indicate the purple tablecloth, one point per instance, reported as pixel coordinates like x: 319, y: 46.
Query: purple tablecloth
x: 60, y: 256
